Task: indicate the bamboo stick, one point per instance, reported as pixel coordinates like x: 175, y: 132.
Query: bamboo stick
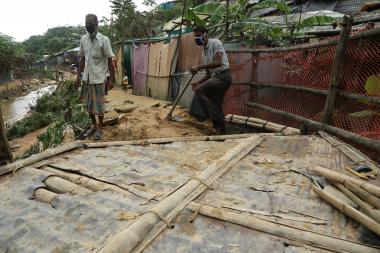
x: 349, y: 95
x: 59, y: 185
x: 367, y: 142
x: 38, y: 157
x: 128, y: 239
x: 96, y: 185
x: 357, y: 157
x: 349, y: 211
x: 262, y: 124
x: 375, y: 214
x: 161, y: 226
x: 342, y: 179
x: 364, y: 195
x: 372, y: 32
x: 45, y: 196
x: 291, y: 233
x: 337, y: 68
x: 166, y: 140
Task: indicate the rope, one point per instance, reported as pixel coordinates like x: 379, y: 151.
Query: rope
x: 159, y: 216
x: 282, y: 129
x: 202, y: 181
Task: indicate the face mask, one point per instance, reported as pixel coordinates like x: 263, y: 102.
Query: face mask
x: 200, y: 40
x: 90, y: 28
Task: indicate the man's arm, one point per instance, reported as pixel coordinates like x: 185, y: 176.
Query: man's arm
x: 218, y: 60
x: 82, y: 64
x: 202, y: 80
x: 111, y: 70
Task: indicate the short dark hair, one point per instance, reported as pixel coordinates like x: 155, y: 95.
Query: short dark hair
x: 201, y: 29
x: 92, y: 16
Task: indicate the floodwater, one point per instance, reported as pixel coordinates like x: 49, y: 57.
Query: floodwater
x: 17, y: 108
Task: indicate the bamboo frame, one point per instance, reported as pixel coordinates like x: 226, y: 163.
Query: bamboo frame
x: 135, y: 234
x: 288, y: 232
x: 342, y: 179
x: 348, y: 210
x: 364, y: 195
x: 365, y: 34
x: 354, y: 96
x: 262, y: 124
x: 337, y: 68
x: 38, y: 157
x: 367, y: 142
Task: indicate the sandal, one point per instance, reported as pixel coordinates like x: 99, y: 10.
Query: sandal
x: 98, y: 136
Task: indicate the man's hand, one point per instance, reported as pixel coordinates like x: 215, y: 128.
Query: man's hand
x: 195, y: 69
x: 195, y: 85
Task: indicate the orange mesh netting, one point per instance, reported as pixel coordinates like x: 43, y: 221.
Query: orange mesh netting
x: 310, y: 68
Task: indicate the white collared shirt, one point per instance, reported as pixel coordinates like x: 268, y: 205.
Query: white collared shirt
x: 208, y: 55
x: 96, y: 56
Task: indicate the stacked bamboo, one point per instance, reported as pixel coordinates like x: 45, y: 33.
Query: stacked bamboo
x: 262, y: 124
x: 365, y: 195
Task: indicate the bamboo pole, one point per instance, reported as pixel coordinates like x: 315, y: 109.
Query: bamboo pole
x: 348, y: 210
x: 354, y: 96
x: 364, y: 195
x: 372, y: 32
x: 367, y: 142
x: 262, y: 124
x: 375, y: 214
x: 291, y: 233
x: 166, y: 140
x: 127, y: 240
x: 38, y: 157
x: 45, y: 196
x: 342, y: 179
x: 60, y: 185
x: 337, y: 69
x: 96, y: 185
x: 355, y: 155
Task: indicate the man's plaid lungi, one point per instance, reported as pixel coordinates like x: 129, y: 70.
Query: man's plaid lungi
x: 94, y: 96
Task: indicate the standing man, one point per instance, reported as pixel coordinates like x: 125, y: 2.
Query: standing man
x: 96, y: 59
x: 210, y: 90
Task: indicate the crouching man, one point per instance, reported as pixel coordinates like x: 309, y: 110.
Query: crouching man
x: 96, y: 59
x: 210, y: 90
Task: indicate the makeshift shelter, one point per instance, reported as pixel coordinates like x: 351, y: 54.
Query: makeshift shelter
x: 161, y: 61
x: 241, y: 193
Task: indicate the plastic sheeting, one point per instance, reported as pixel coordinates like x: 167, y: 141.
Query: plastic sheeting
x: 161, y: 57
x: 140, y: 69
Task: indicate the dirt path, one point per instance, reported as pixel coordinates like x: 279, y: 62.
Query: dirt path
x: 148, y: 120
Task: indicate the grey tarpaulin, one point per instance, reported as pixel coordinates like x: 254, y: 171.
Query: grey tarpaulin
x: 84, y: 223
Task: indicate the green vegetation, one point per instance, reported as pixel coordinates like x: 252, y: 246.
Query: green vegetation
x: 58, y: 111
x: 55, y: 40
x: 10, y: 51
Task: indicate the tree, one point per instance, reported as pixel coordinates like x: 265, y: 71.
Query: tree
x: 10, y: 51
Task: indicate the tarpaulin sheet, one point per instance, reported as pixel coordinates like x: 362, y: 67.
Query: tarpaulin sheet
x: 161, y: 56
x: 140, y: 69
